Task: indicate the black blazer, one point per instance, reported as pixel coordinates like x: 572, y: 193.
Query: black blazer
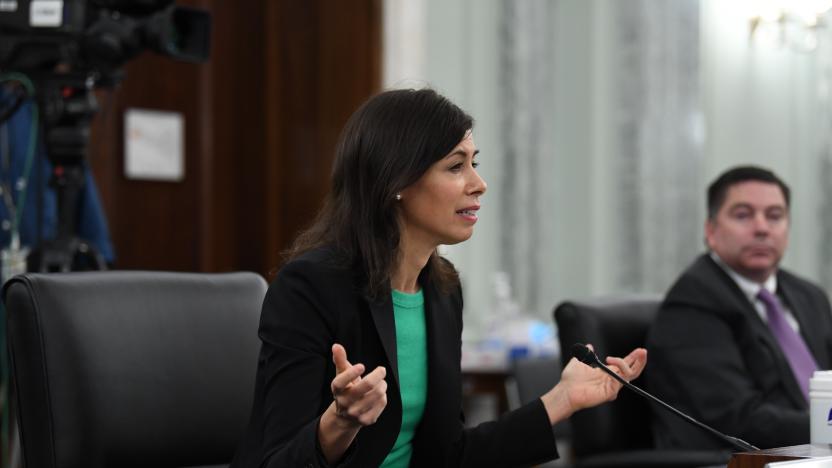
x: 712, y: 356
x: 314, y: 303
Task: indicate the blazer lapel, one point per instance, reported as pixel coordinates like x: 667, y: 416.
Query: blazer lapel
x: 443, y: 365
x: 382, y: 313
x: 742, y: 302
x: 765, y: 336
x: 436, y: 330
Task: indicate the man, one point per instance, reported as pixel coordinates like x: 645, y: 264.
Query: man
x: 737, y: 338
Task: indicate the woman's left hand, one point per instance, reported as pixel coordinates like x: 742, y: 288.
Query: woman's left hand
x: 582, y: 386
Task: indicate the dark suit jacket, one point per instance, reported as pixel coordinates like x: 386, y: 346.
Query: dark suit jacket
x: 713, y: 357
x: 314, y: 303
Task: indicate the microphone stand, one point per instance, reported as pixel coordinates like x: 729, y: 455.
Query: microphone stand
x: 584, y: 354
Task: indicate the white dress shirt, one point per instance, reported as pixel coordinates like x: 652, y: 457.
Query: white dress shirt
x: 752, y: 288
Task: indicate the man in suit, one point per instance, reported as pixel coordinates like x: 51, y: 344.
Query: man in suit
x: 737, y: 338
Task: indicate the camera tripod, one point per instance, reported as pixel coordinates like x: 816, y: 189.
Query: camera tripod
x: 67, y: 104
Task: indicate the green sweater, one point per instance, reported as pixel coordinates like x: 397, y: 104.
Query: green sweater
x: 412, y: 350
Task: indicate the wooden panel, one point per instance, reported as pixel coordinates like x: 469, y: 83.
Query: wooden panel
x: 151, y: 223
x: 327, y: 65
x: 237, y: 135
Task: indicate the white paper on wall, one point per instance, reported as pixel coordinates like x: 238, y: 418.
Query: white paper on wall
x: 154, y: 145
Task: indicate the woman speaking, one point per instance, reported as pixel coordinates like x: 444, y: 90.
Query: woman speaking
x: 361, y: 329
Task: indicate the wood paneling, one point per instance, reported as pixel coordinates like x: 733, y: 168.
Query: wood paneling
x: 262, y: 117
x: 152, y: 223
x: 325, y: 57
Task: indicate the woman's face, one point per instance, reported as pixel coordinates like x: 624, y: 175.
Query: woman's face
x: 441, y: 207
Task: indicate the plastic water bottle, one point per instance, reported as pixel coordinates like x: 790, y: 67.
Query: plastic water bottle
x: 820, y: 407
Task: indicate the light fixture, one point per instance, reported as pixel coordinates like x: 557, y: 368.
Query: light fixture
x: 796, y: 24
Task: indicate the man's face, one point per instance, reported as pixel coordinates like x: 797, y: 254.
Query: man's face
x: 751, y: 229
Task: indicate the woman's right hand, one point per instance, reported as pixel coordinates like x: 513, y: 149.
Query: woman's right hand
x: 357, y: 402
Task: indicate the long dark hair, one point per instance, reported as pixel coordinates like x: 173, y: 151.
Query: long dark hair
x: 386, y: 145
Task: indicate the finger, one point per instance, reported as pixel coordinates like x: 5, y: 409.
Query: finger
x: 339, y: 357
x: 346, y: 377
x: 629, y: 367
x: 637, y: 360
x: 365, y: 408
x: 370, y: 417
x: 374, y: 405
x: 371, y: 398
x: 371, y: 380
x: 618, y: 362
x: 638, y: 355
x: 361, y: 397
x: 619, y: 365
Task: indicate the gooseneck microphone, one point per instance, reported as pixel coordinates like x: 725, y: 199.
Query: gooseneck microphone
x: 584, y: 354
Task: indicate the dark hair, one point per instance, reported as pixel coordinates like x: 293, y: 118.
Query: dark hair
x: 386, y: 145
x: 718, y: 190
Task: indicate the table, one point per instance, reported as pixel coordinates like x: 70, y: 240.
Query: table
x: 760, y: 458
x: 489, y: 381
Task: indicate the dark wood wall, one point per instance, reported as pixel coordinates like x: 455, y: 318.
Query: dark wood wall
x: 261, y: 121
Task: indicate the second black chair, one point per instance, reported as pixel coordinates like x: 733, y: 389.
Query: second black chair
x: 618, y: 434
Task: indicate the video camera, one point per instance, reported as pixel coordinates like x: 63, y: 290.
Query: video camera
x: 65, y: 48
x: 97, y: 36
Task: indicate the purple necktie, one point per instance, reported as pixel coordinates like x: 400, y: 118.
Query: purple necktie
x: 791, y: 343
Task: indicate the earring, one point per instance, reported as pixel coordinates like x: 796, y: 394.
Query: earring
x: 398, y: 197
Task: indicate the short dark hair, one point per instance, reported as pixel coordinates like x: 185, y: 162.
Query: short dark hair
x: 718, y: 190
x: 385, y: 146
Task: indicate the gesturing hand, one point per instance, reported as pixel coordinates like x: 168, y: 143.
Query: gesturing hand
x: 582, y: 386
x: 589, y: 387
x: 358, y: 400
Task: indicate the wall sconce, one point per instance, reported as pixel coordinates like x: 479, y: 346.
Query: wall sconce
x: 796, y: 24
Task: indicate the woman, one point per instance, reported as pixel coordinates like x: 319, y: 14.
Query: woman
x: 361, y: 329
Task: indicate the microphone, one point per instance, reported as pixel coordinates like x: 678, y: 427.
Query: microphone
x: 584, y: 354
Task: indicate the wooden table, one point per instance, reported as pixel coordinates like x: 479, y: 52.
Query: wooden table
x: 760, y: 458
x: 486, y: 381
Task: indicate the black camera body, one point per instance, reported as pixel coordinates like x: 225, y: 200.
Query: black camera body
x: 65, y: 48
x: 97, y: 35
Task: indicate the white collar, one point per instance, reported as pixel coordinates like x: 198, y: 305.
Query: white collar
x: 749, y: 287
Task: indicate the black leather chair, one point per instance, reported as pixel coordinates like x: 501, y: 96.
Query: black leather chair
x: 131, y: 369
x: 530, y: 378
x: 618, y: 434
